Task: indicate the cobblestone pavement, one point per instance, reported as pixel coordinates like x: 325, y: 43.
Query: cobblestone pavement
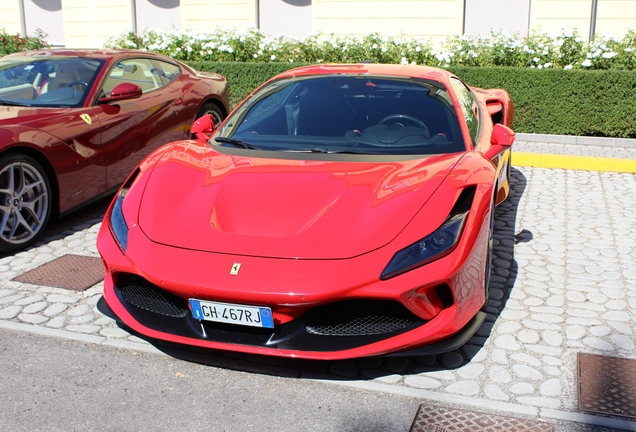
x: 564, y: 282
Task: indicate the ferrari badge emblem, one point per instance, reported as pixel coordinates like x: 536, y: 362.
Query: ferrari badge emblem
x: 87, y: 119
x: 235, y: 269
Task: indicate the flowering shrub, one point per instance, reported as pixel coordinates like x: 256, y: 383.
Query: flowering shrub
x: 565, y: 50
x: 15, y: 43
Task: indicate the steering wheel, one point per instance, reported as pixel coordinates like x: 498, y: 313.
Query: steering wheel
x: 71, y: 84
x: 398, y: 117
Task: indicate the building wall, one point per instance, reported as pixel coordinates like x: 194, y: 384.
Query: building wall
x: 157, y: 14
x: 88, y: 23
x: 206, y: 15
x: 484, y: 16
x: 550, y: 16
x: 436, y: 19
x: 615, y: 17
x: 10, y: 16
x: 45, y: 15
x: 289, y: 17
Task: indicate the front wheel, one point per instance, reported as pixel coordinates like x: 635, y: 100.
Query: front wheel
x: 25, y: 201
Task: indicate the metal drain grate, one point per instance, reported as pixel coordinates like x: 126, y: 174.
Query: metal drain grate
x: 430, y: 418
x: 606, y: 385
x: 73, y: 272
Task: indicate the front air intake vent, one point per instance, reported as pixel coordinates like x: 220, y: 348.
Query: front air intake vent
x: 138, y: 292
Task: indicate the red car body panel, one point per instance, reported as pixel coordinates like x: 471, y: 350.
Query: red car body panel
x: 90, y: 159
x: 308, y: 230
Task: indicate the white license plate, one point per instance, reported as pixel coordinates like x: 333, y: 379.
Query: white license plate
x: 231, y: 313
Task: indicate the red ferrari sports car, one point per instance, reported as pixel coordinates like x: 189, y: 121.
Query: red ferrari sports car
x: 75, y: 123
x: 340, y: 211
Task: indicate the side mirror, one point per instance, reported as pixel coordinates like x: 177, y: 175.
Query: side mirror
x: 202, y: 127
x: 502, y: 135
x: 501, y: 138
x: 123, y: 91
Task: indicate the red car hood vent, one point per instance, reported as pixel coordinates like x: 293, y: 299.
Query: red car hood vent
x: 287, y: 208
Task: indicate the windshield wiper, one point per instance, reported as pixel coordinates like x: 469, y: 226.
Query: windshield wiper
x: 237, y: 143
x: 11, y: 103
x: 327, y: 151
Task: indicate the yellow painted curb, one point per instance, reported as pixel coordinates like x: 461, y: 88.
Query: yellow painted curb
x: 584, y: 163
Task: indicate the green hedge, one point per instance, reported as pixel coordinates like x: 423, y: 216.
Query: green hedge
x: 547, y: 101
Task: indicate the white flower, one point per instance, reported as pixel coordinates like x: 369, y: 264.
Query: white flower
x: 609, y: 55
x: 273, y: 57
x: 404, y: 61
x: 568, y: 67
x: 586, y: 63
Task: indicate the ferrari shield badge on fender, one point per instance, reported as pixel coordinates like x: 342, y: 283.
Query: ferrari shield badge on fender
x: 235, y: 269
x: 87, y: 119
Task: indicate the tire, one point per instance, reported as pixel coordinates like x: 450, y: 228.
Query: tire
x: 25, y: 201
x: 489, y: 255
x: 212, y: 109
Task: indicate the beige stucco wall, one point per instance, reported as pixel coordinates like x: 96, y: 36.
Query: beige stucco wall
x: 10, y: 16
x: 206, y: 15
x: 615, y: 17
x: 436, y: 19
x: 550, y: 16
x: 88, y: 23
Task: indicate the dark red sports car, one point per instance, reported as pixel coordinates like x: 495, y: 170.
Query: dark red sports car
x: 340, y: 211
x: 75, y: 123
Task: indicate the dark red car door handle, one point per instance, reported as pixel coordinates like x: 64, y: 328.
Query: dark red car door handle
x: 178, y: 101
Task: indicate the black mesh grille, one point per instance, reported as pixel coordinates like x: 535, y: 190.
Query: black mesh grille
x: 141, y: 293
x: 360, y: 318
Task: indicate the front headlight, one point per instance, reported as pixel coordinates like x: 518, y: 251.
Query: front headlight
x: 429, y: 248
x: 117, y: 221
x: 118, y: 224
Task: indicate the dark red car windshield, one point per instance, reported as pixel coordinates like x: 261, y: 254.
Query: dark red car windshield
x: 342, y: 114
x: 47, y: 82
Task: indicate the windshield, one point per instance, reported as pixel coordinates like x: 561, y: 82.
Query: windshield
x: 346, y: 114
x: 46, y: 82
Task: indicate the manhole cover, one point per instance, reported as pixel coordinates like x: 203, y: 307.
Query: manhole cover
x: 431, y: 418
x: 607, y: 385
x: 73, y: 272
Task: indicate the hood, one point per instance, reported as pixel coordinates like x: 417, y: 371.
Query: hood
x: 325, y: 208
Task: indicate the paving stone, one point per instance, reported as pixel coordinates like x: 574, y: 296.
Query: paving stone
x: 84, y: 319
x: 471, y: 371
x: 493, y: 391
x: 499, y: 374
x: 527, y: 372
x: 29, y: 300
x: 33, y: 308
x: 11, y: 299
x: 551, y: 387
x: 623, y: 342
x: 32, y: 318
x: 389, y: 379
x: 597, y: 343
x: 55, y: 309
x: 540, y: 402
x: 526, y: 358
x: 508, y: 342
x: 10, y: 312
x: 78, y: 310
x: 499, y: 356
x: 528, y: 336
x: 57, y: 322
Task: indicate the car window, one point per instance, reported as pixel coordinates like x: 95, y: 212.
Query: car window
x: 51, y: 81
x: 469, y: 108
x: 137, y: 71
x: 360, y: 114
x: 164, y: 71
